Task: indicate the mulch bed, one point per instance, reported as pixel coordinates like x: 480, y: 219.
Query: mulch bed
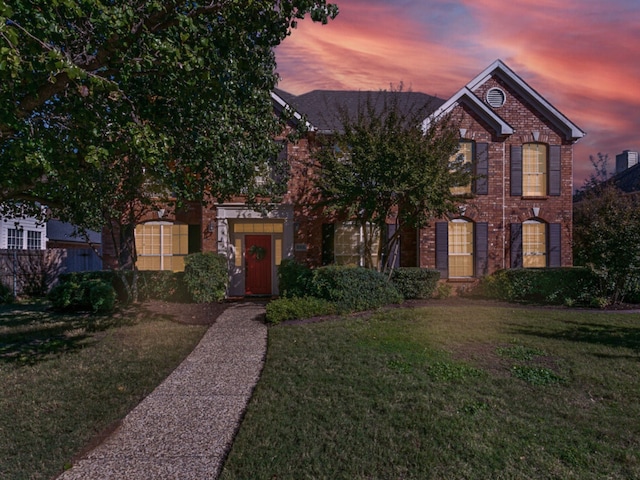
x: 187, y: 313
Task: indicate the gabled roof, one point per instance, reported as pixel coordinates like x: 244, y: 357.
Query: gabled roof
x: 322, y: 108
x: 498, y: 69
x: 467, y: 97
x: 628, y: 180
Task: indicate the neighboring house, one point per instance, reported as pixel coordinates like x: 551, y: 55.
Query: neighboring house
x: 26, y: 233
x: 518, y: 213
x: 64, y: 235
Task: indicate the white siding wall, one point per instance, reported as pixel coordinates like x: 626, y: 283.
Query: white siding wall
x: 24, y: 224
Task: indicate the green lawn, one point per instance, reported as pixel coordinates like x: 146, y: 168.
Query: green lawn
x: 65, y: 378
x: 468, y: 392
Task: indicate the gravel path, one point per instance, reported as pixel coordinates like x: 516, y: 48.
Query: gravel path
x: 185, y: 427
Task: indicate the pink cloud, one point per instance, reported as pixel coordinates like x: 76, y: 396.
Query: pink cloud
x: 582, y: 55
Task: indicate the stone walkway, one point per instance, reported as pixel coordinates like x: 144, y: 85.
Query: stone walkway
x: 185, y: 427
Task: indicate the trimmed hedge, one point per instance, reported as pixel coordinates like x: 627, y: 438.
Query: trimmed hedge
x: 565, y: 285
x: 414, y: 282
x: 354, y: 289
x: 206, y: 276
x: 294, y: 279
x: 294, y: 308
x: 89, y: 294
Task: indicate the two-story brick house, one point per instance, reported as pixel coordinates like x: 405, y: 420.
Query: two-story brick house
x: 517, y: 213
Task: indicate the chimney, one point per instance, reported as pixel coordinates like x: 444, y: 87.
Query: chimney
x: 626, y: 159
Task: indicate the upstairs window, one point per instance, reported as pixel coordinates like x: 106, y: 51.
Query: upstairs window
x: 15, y: 239
x: 462, y: 158
x: 34, y: 240
x: 534, y: 170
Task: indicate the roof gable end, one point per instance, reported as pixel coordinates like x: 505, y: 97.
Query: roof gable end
x: 466, y: 97
x: 499, y: 69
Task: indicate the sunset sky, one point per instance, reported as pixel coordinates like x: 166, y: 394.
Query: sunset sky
x: 583, y: 56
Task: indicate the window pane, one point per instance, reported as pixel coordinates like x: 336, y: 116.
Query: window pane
x: 464, y: 153
x: 460, y: 249
x: 349, y: 244
x: 14, y: 239
x: 34, y: 240
x: 534, y: 245
x: 534, y: 169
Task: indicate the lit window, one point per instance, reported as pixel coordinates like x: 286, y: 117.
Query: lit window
x: 534, y: 244
x: 15, y: 239
x: 348, y: 244
x: 34, y: 240
x: 463, y: 156
x: 460, y: 248
x: 534, y: 170
x: 162, y: 246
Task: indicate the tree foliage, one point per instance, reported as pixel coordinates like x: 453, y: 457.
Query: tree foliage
x: 384, y: 164
x: 607, y: 238
x: 173, y: 92
x: 109, y: 108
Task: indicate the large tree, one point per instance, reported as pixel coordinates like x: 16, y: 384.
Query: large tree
x: 106, y: 105
x: 606, y: 233
x: 383, y: 164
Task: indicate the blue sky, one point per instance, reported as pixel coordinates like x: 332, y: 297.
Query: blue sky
x: 581, y: 55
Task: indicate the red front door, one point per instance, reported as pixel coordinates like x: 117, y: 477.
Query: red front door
x: 257, y: 258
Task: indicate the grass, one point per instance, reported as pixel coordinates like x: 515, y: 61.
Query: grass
x: 67, y: 378
x: 447, y: 393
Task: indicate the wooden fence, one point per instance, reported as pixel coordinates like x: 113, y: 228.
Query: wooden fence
x: 35, y: 271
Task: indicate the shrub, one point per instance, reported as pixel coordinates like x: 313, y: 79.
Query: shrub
x: 206, y: 276
x: 294, y: 279
x: 298, y: 307
x: 6, y: 295
x: 567, y: 285
x: 162, y: 285
x: 94, y: 294
x: 102, y: 296
x: 354, y: 289
x: 415, y: 282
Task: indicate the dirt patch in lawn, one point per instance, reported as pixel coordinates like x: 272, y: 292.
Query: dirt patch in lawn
x: 187, y: 313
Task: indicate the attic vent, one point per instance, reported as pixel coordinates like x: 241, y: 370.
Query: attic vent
x: 496, y: 97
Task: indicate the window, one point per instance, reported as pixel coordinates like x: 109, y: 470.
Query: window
x: 460, y: 248
x: 534, y: 170
x: 534, y: 244
x: 162, y: 246
x: 463, y: 156
x: 348, y: 244
x: 15, y: 239
x: 34, y: 240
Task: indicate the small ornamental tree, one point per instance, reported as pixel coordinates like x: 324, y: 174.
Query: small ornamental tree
x: 383, y: 163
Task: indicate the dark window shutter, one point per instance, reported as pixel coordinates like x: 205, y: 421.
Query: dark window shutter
x: 554, y: 232
x: 481, y: 183
x: 554, y: 170
x: 442, y: 249
x: 481, y: 250
x: 516, y: 245
x: 327, y: 243
x: 516, y: 170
